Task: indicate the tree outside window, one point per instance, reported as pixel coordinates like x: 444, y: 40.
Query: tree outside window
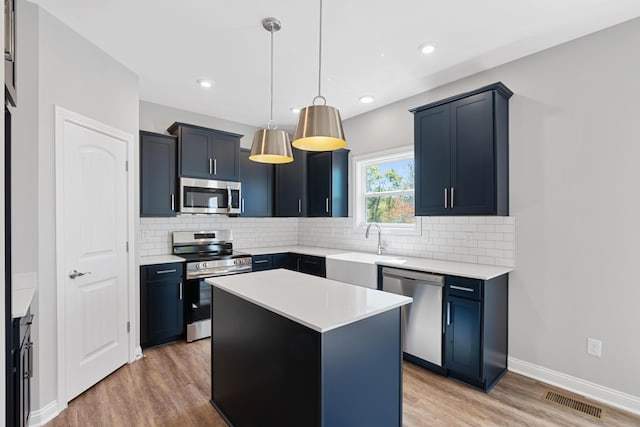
x: 389, y: 192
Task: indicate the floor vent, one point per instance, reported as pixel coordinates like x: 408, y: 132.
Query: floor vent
x: 577, y: 405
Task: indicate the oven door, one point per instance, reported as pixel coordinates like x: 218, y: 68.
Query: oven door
x: 197, y: 300
x: 209, y: 197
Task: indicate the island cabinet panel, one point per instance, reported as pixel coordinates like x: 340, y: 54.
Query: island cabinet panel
x: 462, y: 154
x: 257, y: 187
x: 207, y: 153
x: 268, y: 370
x: 157, y: 174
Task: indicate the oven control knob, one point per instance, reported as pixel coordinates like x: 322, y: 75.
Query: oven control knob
x: 197, y: 266
x: 203, y: 265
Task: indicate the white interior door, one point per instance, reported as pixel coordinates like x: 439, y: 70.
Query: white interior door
x: 95, y: 266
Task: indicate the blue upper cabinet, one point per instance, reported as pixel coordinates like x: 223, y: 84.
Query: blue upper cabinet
x: 207, y: 153
x: 257, y: 187
x: 157, y: 175
x: 462, y: 154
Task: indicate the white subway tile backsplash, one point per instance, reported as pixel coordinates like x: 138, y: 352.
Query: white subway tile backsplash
x: 483, y: 240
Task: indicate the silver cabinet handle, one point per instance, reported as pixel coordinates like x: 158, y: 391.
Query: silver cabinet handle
x: 326, y: 205
x: 229, y: 204
x: 76, y: 273
x: 173, y: 202
x: 210, y: 166
x: 180, y: 291
x: 215, y: 166
x: 461, y: 288
x: 445, y: 198
x: 242, y: 204
x: 448, y: 313
x: 451, y: 197
x: 261, y: 261
x: 165, y: 271
x: 299, y: 206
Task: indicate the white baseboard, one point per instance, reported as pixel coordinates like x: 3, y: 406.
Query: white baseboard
x: 595, y: 391
x: 44, y: 415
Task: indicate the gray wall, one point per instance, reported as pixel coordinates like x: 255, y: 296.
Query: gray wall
x: 574, y: 150
x: 76, y: 75
x: 157, y: 118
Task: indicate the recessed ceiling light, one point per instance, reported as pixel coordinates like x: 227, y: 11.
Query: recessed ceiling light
x: 427, y: 48
x: 205, y: 83
x: 294, y: 110
x: 366, y: 99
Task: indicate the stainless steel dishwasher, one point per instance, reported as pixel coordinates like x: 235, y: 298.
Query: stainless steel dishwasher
x: 422, y: 319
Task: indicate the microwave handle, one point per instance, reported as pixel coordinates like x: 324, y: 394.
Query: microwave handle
x: 229, y: 204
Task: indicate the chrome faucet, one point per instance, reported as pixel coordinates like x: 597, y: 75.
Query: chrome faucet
x: 366, y: 236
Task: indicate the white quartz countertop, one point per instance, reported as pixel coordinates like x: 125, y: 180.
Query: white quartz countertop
x: 450, y: 268
x: 160, y: 259
x: 306, y: 250
x: 21, y: 301
x: 320, y: 304
x: 463, y: 269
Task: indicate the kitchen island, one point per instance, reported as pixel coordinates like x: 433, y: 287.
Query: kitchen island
x: 290, y: 349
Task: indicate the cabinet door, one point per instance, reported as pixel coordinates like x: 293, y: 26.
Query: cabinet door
x: 319, y: 184
x: 261, y: 262
x: 473, y: 155
x: 157, y: 175
x: 462, y: 336
x: 313, y: 265
x: 195, y: 155
x: 224, y: 153
x: 432, y: 161
x: 161, y: 304
x: 280, y: 261
x: 257, y: 187
x: 291, y: 184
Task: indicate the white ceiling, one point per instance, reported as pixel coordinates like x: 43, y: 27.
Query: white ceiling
x: 370, y: 47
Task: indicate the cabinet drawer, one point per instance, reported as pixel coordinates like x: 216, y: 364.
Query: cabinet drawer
x: 261, y: 262
x: 464, y: 287
x: 163, y: 271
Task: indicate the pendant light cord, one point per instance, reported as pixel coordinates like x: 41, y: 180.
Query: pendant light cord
x: 320, y: 53
x: 271, y: 94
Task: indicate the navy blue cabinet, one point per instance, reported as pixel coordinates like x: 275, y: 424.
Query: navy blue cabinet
x: 476, y: 318
x: 257, y: 187
x: 328, y: 175
x: 21, y: 371
x: 291, y: 186
x: 462, y: 154
x: 207, y: 153
x: 309, y: 264
x: 161, y: 303
x: 261, y: 262
x: 157, y: 174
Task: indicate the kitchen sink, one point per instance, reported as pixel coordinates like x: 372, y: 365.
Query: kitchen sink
x: 358, y: 268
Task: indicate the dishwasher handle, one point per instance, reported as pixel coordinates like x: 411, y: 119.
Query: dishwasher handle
x: 425, y: 278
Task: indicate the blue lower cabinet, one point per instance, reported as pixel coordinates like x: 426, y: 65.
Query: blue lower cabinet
x: 161, y: 304
x: 261, y: 262
x: 476, y: 319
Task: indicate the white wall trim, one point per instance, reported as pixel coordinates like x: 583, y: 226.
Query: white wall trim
x: 595, y: 391
x: 44, y: 415
x: 61, y: 116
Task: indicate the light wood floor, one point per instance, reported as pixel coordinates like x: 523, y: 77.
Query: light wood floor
x: 171, y: 387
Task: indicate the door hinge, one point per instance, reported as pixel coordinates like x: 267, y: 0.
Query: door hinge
x: 128, y: 327
x: 126, y: 165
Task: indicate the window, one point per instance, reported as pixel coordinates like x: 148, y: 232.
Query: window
x: 385, y: 190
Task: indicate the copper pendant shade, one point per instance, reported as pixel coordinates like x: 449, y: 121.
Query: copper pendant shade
x: 319, y: 126
x: 271, y: 145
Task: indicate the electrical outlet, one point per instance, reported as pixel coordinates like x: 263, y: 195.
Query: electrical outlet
x: 594, y: 347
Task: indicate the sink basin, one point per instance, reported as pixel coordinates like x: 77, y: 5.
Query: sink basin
x: 357, y: 268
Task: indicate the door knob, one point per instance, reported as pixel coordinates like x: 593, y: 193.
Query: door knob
x: 76, y: 273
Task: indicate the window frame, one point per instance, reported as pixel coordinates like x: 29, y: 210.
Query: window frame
x: 360, y: 164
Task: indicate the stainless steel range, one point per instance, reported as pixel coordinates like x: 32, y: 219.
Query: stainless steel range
x: 208, y: 254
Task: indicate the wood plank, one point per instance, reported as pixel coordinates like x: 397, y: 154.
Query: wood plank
x: 171, y: 387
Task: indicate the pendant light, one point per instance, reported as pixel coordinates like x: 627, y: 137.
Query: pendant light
x: 271, y: 145
x: 319, y: 126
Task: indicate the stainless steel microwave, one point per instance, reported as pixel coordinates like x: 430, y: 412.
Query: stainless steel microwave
x: 205, y: 196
